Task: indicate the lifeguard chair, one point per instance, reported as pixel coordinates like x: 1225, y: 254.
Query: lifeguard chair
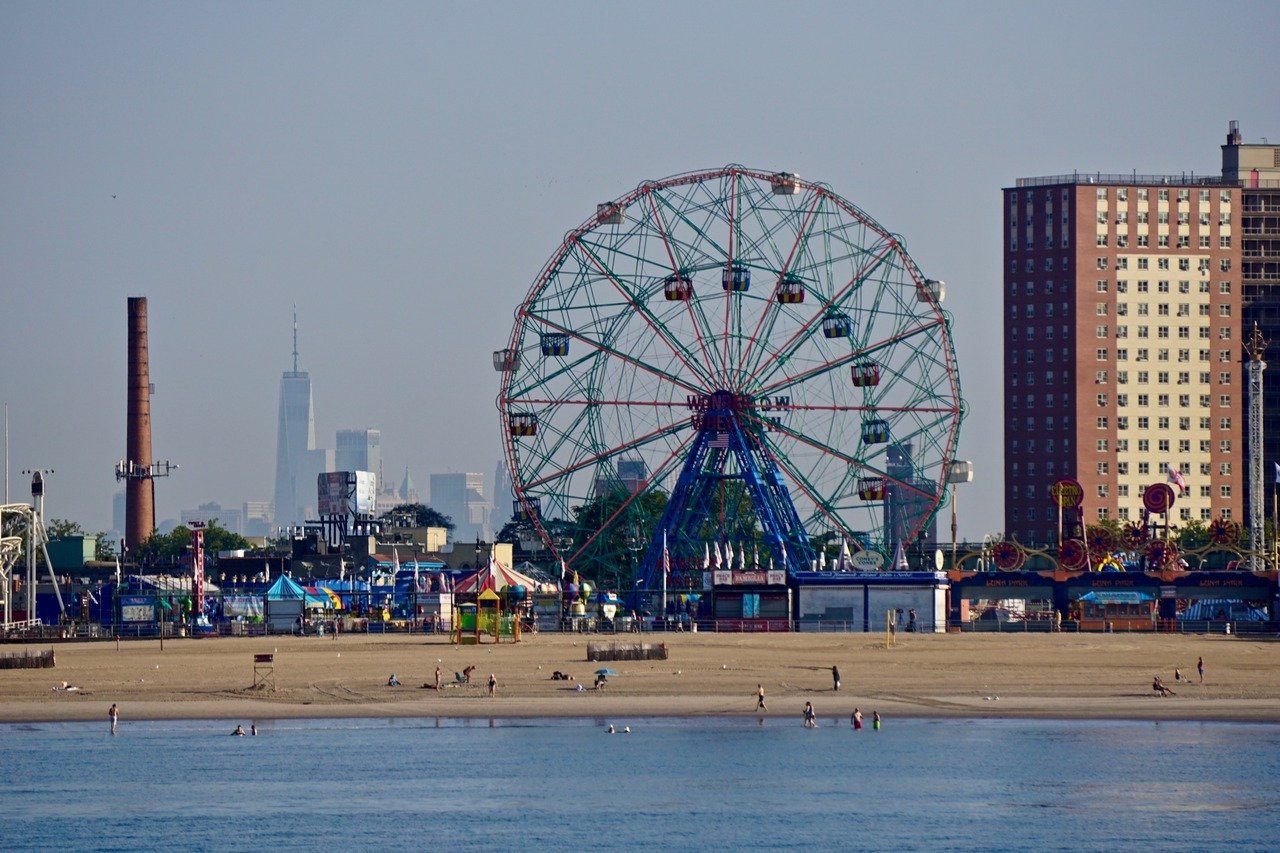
x: 264, y: 671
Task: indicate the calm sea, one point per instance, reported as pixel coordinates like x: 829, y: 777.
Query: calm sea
x: 690, y: 784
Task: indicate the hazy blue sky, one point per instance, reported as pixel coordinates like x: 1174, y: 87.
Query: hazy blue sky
x: 402, y: 171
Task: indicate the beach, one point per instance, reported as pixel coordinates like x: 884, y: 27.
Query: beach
x: 1067, y: 675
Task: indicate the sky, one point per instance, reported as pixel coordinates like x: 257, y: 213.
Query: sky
x: 402, y: 171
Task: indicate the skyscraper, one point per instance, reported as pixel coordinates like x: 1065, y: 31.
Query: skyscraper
x: 359, y: 450
x: 461, y: 497
x: 1122, y: 346
x: 296, y: 460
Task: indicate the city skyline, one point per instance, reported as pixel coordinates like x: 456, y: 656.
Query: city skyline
x: 402, y: 175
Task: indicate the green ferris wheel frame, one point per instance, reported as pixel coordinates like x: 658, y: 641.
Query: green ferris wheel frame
x: 761, y: 284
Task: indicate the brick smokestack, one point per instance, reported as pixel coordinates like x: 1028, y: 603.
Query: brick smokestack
x: 140, y: 494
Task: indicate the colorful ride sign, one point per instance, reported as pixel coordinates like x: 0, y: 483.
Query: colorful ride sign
x: 1067, y: 493
x: 1158, y: 498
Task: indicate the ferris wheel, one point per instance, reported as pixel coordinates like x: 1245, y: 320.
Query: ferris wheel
x: 728, y: 358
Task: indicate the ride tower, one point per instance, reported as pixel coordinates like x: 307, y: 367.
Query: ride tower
x: 727, y: 448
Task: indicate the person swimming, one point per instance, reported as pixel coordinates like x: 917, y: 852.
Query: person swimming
x: 239, y: 732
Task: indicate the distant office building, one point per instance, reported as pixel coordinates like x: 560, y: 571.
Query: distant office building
x: 359, y: 450
x: 117, y: 511
x: 258, y: 516
x: 228, y: 519
x: 1122, y: 316
x: 626, y: 475
x: 503, y: 498
x: 297, y: 464
x: 1256, y: 170
x: 461, y: 497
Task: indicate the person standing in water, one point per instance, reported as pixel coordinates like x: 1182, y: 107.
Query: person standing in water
x: 875, y: 720
x: 113, y: 714
x: 856, y: 720
x: 810, y: 717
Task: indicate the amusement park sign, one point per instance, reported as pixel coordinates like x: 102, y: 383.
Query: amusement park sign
x: 1067, y: 493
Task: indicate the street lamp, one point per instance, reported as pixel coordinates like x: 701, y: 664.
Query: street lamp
x: 960, y: 472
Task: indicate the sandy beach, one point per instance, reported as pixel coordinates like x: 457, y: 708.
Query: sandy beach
x: 1096, y: 676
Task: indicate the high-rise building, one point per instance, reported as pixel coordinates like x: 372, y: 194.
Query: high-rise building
x: 359, y: 450
x: 1256, y: 170
x: 297, y: 462
x: 504, y: 497
x: 228, y: 519
x: 1122, y: 310
x: 461, y: 497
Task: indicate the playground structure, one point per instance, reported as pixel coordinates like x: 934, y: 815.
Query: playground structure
x: 486, y: 618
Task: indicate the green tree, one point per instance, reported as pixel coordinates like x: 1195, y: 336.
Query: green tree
x: 56, y: 528
x: 162, y: 548
x: 420, y: 516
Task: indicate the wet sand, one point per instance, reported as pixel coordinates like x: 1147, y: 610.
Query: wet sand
x: 1084, y: 676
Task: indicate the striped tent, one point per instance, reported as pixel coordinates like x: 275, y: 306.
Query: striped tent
x: 496, y: 577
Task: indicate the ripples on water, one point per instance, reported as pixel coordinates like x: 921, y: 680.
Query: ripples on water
x: 701, y: 783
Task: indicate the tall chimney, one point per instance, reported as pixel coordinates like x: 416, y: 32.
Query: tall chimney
x: 140, y: 494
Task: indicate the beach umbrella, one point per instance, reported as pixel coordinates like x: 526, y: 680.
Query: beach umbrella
x: 605, y: 671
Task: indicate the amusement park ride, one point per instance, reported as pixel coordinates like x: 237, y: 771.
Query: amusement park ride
x: 726, y: 356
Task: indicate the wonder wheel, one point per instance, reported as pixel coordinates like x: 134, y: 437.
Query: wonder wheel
x: 727, y: 358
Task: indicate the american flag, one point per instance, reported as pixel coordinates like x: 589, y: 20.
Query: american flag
x: 666, y: 556
x: 1175, y: 477
x: 720, y: 440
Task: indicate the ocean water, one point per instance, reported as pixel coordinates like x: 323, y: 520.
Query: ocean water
x: 685, y: 783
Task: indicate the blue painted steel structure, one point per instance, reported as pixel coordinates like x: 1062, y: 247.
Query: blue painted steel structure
x: 728, y: 447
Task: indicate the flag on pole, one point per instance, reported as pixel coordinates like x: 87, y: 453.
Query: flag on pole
x: 564, y: 569
x: 1277, y: 464
x: 706, y: 556
x: 755, y: 554
x: 1175, y: 477
x: 822, y: 560
x: 900, y: 559
x: 395, y: 556
x: 844, y: 554
x: 715, y: 556
x: 666, y: 556
x: 117, y: 570
x: 785, y: 564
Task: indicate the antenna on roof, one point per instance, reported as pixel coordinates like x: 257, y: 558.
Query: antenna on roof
x: 295, y: 337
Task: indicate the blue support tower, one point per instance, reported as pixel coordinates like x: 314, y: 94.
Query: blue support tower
x: 726, y: 449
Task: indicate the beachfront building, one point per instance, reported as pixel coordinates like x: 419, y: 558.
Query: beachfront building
x: 1122, y: 331
x: 1255, y: 168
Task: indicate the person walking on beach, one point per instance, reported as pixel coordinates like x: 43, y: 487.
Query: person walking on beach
x: 760, y: 698
x: 439, y: 677
x: 1200, y: 668
x: 856, y: 719
x: 113, y: 714
x: 835, y: 678
x: 875, y: 721
x: 810, y: 718
x: 493, y: 684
